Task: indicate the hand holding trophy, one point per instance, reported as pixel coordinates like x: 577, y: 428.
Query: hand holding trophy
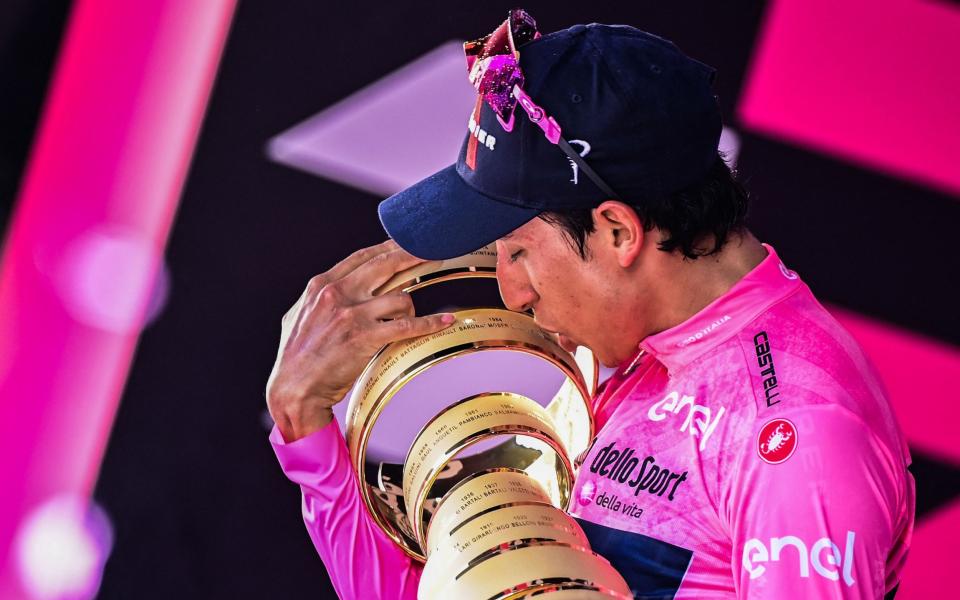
x: 333, y: 330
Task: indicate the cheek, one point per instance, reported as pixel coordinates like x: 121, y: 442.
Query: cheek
x: 564, y: 287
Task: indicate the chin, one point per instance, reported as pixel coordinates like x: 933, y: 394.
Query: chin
x: 610, y: 364
x: 603, y: 358
x: 608, y: 358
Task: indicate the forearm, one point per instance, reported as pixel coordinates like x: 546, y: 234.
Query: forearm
x: 361, y: 560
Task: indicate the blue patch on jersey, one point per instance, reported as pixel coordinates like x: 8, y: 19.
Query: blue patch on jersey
x: 653, y: 569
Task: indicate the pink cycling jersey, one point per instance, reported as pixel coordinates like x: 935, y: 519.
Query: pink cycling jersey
x: 749, y: 452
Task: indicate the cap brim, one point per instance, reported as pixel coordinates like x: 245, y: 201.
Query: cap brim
x: 442, y: 217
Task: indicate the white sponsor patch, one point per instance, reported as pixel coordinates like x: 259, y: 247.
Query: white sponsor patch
x: 700, y: 422
x: 824, y: 556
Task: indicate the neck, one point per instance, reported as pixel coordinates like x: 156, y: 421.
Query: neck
x: 693, y: 284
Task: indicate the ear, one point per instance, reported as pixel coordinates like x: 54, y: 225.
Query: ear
x: 621, y: 231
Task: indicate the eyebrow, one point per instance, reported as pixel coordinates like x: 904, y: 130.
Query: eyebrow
x: 507, y: 236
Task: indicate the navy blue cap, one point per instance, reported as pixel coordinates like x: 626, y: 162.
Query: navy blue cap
x: 641, y: 113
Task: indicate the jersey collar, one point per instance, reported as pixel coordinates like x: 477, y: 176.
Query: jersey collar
x: 765, y: 285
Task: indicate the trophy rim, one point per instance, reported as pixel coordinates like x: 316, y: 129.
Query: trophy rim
x: 392, y: 388
x: 421, y: 281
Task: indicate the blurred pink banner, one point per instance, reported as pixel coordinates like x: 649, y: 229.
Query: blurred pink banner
x: 87, y: 238
x: 876, y: 82
x: 919, y: 375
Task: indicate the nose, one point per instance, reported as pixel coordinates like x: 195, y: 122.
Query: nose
x: 515, y: 289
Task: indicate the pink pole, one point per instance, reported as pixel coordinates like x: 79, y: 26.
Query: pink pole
x: 87, y: 238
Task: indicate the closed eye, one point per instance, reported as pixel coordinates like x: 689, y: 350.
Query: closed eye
x: 515, y: 255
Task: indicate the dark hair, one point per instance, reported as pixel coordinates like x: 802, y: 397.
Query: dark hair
x: 710, y: 209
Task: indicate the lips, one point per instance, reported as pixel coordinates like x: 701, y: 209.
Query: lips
x: 566, y: 343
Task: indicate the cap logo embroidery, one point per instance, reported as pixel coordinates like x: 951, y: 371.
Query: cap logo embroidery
x: 585, y: 150
x: 481, y: 134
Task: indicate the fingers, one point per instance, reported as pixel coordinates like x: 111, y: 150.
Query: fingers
x: 343, y: 268
x: 361, y: 282
x: 410, y: 327
x: 389, y: 306
x: 358, y: 258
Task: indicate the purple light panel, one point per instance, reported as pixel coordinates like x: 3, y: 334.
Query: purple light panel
x: 390, y: 134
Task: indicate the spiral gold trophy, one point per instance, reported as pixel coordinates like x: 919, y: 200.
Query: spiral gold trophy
x: 481, y: 494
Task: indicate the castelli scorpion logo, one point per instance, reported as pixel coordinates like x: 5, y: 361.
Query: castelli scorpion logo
x: 777, y: 441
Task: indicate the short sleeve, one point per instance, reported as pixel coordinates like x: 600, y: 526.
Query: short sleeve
x: 820, y: 508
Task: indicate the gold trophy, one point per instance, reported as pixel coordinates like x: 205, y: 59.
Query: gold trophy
x: 482, y: 493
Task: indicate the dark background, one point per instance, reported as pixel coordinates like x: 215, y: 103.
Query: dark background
x: 199, y: 504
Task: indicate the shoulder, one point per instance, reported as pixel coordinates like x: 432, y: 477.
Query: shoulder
x: 817, y: 402
x: 797, y: 355
x: 794, y: 361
